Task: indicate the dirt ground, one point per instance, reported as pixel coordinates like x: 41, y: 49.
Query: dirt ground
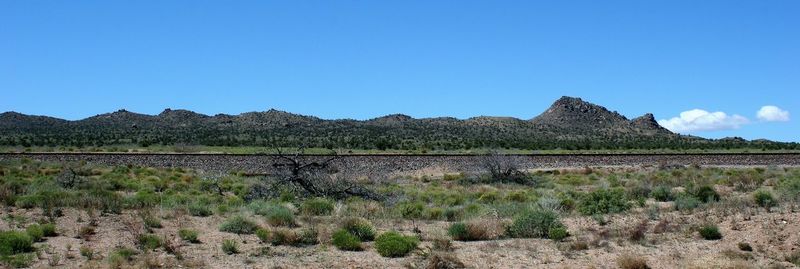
x: 669, y: 241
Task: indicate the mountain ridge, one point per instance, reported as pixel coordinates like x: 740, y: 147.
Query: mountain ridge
x: 569, y: 122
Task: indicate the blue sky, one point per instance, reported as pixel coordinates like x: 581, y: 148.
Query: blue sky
x: 362, y: 59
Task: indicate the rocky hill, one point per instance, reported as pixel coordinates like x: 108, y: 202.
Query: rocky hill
x: 570, y: 123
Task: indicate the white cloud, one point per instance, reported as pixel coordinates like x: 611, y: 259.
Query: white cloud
x: 701, y: 120
x: 772, y: 113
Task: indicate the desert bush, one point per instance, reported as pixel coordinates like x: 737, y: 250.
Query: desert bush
x: 263, y: 235
x: 149, y: 241
x: 475, y: 230
x: 359, y: 227
x: 49, y: 230
x: 662, y: 194
x: 744, y: 246
x: 308, y: 236
x: 280, y: 216
x: 86, y: 252
x: 685, y: 202
x: 534, y: 224
x: 710, y: 232
x: 230, y: 247
x: 628, y: 261
x: 789, y: 187
x: 188, y: 235
x: 35, y: 231
x: 344, y: 240
x: 706, y: 194
x: 284, y: 237
x: 558, y: 233
x: 394, y: 244
x: 604, y: 201
x: 440, y: 260
x: 317, y: 207
x: 238, y: 225
x: 199, y: 209
x: 15, y: 242
x: 764, y: 199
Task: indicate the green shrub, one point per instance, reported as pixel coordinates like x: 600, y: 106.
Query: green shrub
x: 230, y: 247
x: 150, y: 241
x: 764, y: 199
x: 49, y: 230
x: 662, y: 194
x: 35, y: 232
x: 343, y: 240
x: 280, y: 216
x: 317, y: 207
x: 458, y: 231
x: 23, y: 260
x: 604, y: 201
x: 238, y: 225
x: 686, y: 202
x: 15, y: 242
x: 393, y: 244
x: 359, y: 227
x: 710, y: 232
x: 188, y: 235
x: 706, y: 194
x: 558, y: 233
x: 534, y: 224
x: 263, y: 235
x: 198, y: 209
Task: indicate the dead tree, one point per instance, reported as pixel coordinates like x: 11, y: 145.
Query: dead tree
x: 502, y: 168
x: 314, y: 176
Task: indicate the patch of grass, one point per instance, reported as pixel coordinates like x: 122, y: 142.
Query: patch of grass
x: 263, y: 235
x: 151, y: 221
x: 280, y: 216
x: 628, y: 261
x: 317, y: 206
x: 360, y: 228
x: 149, y: 241
x: 344, y: 240
x: 710, y: 232
x: 189, y: 235
x: 86, y: 252
x: 534, y: 224
x: 238, y: 225
x: 604, y: 201
x: 394, y: 244
x: 230, y: 247
x: 22, y: 260
x: 794, y: 258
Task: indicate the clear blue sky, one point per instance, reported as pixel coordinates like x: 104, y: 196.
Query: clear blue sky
x: 362, y: 59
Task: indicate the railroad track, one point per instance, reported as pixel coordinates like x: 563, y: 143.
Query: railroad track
x: 381, y: 165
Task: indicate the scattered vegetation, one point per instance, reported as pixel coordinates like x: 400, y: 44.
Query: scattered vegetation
x: 188, y: 235
x: 230, y: 247
x: 238, y: 225
x: 535, y: 224
x: 344, y: 240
